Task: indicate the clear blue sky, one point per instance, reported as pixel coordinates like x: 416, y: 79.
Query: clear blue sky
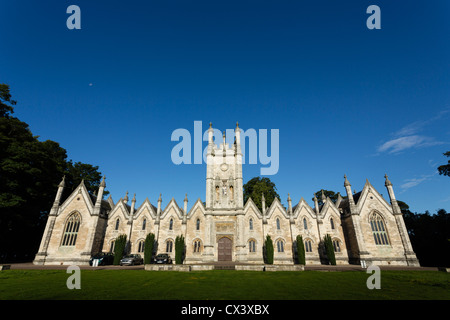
x: 346, y: 99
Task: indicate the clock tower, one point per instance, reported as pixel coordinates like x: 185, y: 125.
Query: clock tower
x: 224, y: 192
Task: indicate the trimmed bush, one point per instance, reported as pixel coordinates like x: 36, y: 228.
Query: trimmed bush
x: 179, y: 249
x: 119, y: 248
x: 148, y: 248
x: 268, y: 245
x: 300, y: 250
x: 329, y: 249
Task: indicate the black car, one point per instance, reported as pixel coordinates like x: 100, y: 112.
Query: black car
x: 103, y: 259
x: 162, y: 258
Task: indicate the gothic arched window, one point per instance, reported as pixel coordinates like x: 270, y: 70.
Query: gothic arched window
x: 378, y: 230
x: 117, y: 224
x: 71, y: 230
x: 198, y: 224
x: 197, y: 246
x: 144, y: 222
x: 169, y: 245
x: 308, y: 246
x: 280, y: 246
x: 336, y: 246
x: 250, y: 223
x: 252, y: 246
x: 171, y: 224
x: 141, y: 245
x: 278, y: 224
x: 332, y: 223
x: 305, y: 224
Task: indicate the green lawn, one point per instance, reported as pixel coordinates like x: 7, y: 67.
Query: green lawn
x: 222, y: 284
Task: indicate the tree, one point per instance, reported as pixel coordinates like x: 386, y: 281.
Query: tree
x: 119, y: 248
x: 429, y: 235
x: 445, y: 168
x: 257, y: 186
x: 6, y: 104
x: 179, y: 249
x: 268, y: 250
x: 300, y: 250
x: 148, y: 248
x: 329, y: 249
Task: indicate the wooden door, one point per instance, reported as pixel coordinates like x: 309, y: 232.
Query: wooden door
x: 224, y: 249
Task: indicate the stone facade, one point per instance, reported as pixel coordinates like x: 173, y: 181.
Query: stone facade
x: 364, y: 228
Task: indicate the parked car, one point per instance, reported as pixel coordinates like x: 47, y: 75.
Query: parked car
x: 103, y: 259
x: 163, y: 258
x: 131, y: 260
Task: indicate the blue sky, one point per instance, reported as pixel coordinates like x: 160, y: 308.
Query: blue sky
x: 345, y: 99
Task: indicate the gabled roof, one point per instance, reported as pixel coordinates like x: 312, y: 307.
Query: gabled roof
x: 303, y: 204
x: 276, y: 204
x: 172, y: 204
x: 80, y: 190
x: 328, y: 205
x: 122, y: 207
x: 250, y: 204
x: 198, y: 204
x: 146, y: 204
x: 364, y: 194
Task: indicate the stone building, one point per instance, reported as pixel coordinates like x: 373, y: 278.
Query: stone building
x: 364, y: 227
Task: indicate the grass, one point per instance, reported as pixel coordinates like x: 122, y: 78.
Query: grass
x: 222, y: 284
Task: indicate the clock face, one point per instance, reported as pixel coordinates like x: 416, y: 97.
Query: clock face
x: 224, y: 167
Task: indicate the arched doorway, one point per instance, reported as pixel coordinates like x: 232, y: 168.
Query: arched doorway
x: 224, y: 249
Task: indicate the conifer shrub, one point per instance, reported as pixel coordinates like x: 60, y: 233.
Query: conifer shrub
x: 268, y: 246
x: 329, y: 249
x: 179, y: 249
x: 119, y: 248
x: 149, y: 246
x: 300, y: 250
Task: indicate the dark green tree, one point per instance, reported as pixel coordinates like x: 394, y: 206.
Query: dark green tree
x: 179, y: 249
x: 329, y: 249
x: 300, y: 250
x: 6, y: 104
x: 257, y: 186
x: 119, y: 248
x: 445, y: 168
x: 430, y: 236
x: 149, y: 246
x: 268, y: 250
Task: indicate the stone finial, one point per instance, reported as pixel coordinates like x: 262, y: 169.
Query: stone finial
x: 185, y: 198
x: 210, y: 125
x: 63, y: 182
x: 346, y: 183
x: 159, y: 199
x: 387, y: 182
x: 125, y: 199
x: 134, y: 198
x: 237, y: 124
x: 103, y: 183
